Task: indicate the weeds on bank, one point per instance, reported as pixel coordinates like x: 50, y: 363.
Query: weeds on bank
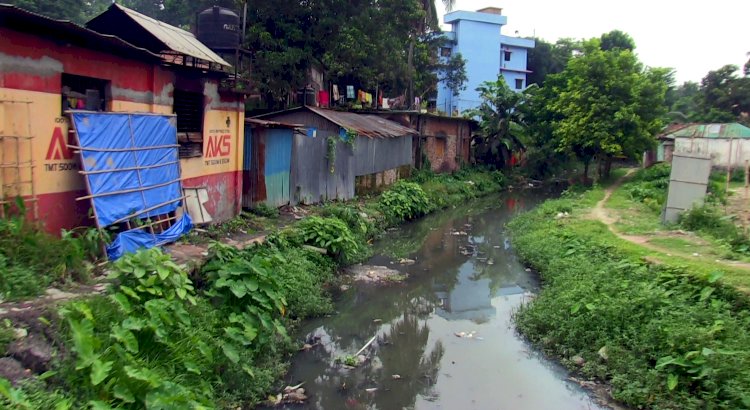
x: 162, y: 339
x: 31, y: 259
x: 663, y: 336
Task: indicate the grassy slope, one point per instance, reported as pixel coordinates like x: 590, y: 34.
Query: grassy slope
x: 656, y: 327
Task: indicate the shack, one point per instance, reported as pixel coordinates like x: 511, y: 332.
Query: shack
x: 342, y: 154
x: 727, y: 144
x: 49, y: 66
x: 443, y: 143
x: 266, y: 176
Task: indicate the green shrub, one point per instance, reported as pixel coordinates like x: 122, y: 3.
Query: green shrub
x: 128, y: 347
x: 34, y: 259
x: 404, y: 201
x: 331, y: 234
x: 264, y: 210
x: 709, y: 220
x: 654, y: 173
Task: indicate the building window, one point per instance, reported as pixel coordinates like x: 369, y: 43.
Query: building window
x: 83, y: 93
x: 445, y: 51
x: 519, y: 84
x: 506, y: 55
x: 440, y: 147
x: 188, y: 106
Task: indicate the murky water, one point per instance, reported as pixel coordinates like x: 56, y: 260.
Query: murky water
x: 466, y: 281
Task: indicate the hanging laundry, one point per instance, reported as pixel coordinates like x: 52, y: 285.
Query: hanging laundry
x: 336, y: 95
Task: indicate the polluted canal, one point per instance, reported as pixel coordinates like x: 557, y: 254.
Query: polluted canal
x: 443, y: 338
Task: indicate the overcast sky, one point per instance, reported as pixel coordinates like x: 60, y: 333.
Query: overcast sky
x: 693, y: 37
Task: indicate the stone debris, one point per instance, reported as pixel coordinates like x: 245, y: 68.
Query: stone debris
x: 33, y: 352
x: 57, y: 294
x: 578, y: 360
x: 12, y: 370
x: 405, y: 261
x: 561, y: 215
x: 468, y: 335
x: 374, y: 274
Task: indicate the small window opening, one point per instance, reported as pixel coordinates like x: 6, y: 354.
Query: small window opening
x: 83, y: 93
x: 506, y: 55
x: 188, y: 106
x: 445, y: 51
x: 519, y: 84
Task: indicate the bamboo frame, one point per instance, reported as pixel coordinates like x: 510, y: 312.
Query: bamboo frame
x: 149, y: 148
x: 155, y: 223
x: 19, y: 165
x: 128, y: 191
x: 103, y: 171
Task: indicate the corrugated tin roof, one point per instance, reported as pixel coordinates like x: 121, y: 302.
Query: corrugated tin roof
x: 730, y: 130
x: 271, y: 124
x: 365, y: 125
x: 24, y: 20
x: 174, y: 38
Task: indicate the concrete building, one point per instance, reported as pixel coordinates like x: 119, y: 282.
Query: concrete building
x: 49, y: 66
x: 477, y: 36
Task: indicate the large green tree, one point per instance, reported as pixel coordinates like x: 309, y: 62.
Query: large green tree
x: 608, y: 105
x: 548, y: 58
x: 501, y: 123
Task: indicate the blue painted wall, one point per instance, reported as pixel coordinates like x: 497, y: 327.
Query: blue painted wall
x: 477, y: 37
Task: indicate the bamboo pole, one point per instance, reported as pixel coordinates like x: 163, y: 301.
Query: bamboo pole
x: 729, y: 165
x: 127, y: 191
x: 135, y: 214
x: 152, y: 147
x: 103, y: 171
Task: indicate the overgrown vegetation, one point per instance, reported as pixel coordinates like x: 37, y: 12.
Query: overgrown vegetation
x: 663, y: 334
x: 163, y: 339
x: 31, y: 259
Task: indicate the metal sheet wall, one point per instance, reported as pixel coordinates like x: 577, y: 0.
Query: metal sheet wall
x: 312, y: 180
x: 373, y: 155
x: 278, y: 166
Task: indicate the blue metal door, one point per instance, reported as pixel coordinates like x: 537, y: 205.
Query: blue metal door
x: 278, y: 166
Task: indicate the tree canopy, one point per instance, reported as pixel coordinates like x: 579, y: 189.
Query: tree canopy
x: 609, y: 105
x: 390, y: 45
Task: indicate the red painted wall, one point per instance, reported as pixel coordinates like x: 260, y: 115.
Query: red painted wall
x: 224, y: 193
x: 44, y: 60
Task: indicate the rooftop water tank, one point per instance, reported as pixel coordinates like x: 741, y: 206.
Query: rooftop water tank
x: 219, y: 28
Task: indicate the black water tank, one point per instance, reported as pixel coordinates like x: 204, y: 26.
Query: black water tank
x: 219, y: 28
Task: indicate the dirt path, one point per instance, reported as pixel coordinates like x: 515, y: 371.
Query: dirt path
x: 601, y: 213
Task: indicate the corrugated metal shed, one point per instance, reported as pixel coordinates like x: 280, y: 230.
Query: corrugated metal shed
x: 727, y: 131
x: 173, y: 38
x: 365, y: 125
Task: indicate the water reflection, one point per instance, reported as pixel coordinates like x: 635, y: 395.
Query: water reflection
x: 466, y: 280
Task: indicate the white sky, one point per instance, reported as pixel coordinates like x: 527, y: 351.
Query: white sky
x: 693, y: 37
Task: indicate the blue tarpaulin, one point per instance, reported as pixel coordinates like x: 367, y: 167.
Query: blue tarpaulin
x: 132, y: 168
x: 131, y: 241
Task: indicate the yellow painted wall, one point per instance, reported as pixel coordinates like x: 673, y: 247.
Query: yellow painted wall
x: 57, y: 167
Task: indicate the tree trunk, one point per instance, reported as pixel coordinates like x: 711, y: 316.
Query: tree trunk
x: 410, y: 62
x: 607, y: 166
x: 586, y: 170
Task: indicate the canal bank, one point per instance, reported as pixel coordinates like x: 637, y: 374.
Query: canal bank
x: 662, y: 331
x: 221, y: 331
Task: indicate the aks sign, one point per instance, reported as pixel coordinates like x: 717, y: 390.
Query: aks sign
x: 218, y: 146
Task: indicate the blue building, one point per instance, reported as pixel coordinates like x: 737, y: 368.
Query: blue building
x: 476, y: 35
